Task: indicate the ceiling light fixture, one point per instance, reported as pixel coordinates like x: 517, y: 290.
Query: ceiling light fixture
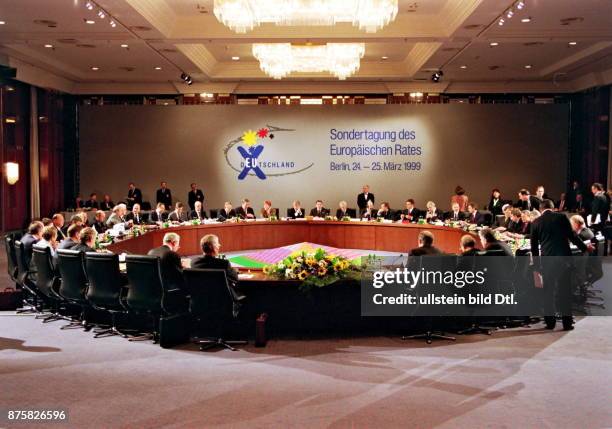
x: 281, y: 59
x: 244, y: 15
x: 113, y: 23
x: 89, y: 5
x: 384, y: 57
x: 101, y: 14
x: 90, y: 21
x: 437, y: 76
x: 520, y: 5
x: 235, y: 58
x: 185, y: 77
x: 95, y: 68
x: 125, y: 46
x: 501, y: 21
x: 528, y: 66
x: 48, y: 46
x: 510, y: 14
x: 158, y: 68
x: 2, y: 22
x: 463, y: 67
x: 526, y: 20
x: 493, y: 44
x: 572, y: 43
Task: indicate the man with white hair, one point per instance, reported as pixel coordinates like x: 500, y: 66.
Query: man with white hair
x: 580, y: 228
x: 170, y: 261
x: 118, y: 215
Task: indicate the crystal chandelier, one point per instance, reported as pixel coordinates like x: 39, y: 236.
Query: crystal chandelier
x: 243, y: 15
x: 280, y: 59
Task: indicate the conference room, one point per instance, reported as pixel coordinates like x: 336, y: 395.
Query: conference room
x: 274, y: 213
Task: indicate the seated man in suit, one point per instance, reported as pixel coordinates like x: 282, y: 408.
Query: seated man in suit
x: 267, y: 210
x: 515, y: 225
x: 74, y: 237
x: 92, y: 202
x: 296, y: 211
x: 118, y: 216
x: 176, y: 295
x: 410, y: 213
x: 210, y: 260
x: 198, y: 213
x: 100, y: 222
x: 227, y: 212
x: 491, y: 245
x: 342, y: 210
x: 159, y: 215
x: 527, y: 201
x: 49, y: 239
x: 34, y: 235
x: 134, y: 195
x: 87, y: 241
x: 433, y: 214
x: 502, y: 224
x: 58, y: 221
x: 384, y: 212
x: 245, y: 211
x: 426, y: 245
x: 580, y: 228
x: 107, y: 204
x: 178, y: 215
x: 135, y: 216
x: 467, y: 246
x: 319, y: 210
x: 370, y: 211
x: 455, y: 215
x: 474, y: 216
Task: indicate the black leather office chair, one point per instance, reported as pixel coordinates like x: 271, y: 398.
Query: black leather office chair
x: 352, y: 213
x: 47, y: 282
x: 24, y: 280
x: 73, y: 288
x: 11, y: 258
x: 212, y: 306
x: 214, y: 213
x: 106, y: 289
x: 488, y: 217
x: 146, y: 205
x: 146, y: 290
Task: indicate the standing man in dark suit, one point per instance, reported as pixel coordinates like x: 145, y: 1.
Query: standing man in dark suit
x: 527, y: 201
x: 426, y: 245
x: 92, y: 202
x: 245, y: 211
x: 551, y: 234
x: 134, y: 195
x: 296, y: 211
x: 194, y: 195
x: 164, y: 195
x: 362, y: 199
x: 600, y: 207
x: 319, y: 210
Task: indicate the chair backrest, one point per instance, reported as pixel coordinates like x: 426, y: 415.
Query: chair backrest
x: 352, y: 212
x: 104, y: 279
x: 46, y: 276
x: 146, y: 205
x: 211, y: 297
x: 214, y: 213
x: 22, y: 265
x: 11, y: 257
x: 146, y: 286
x: 71, y: 265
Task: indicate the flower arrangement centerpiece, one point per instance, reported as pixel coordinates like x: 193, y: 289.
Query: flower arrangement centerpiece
x: 346, y: 219
x: 315, y: 269
x: 196, y: 222
x: 329, y: 217
x: 272, y: 218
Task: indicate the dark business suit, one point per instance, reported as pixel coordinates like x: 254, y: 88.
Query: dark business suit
x: 67, y: 244
x: 107, y: 205
x: 425, y: 251
x: 242, y: 214
x: 156, y: 217
x: 224, y: 215
x: 164, y: 196
x: 136, y: 219
x: 207, y: 262
x: 291, y: 213
x: 171, y: 267
x: 476, y: 218
x: 515, y: 227
x: 454, y: 216
x: 61, y: 235
x: 437, y: 215
x: 319, y: 213
x: 599, y: 206
x: 362, y: 200
x: 495, y: 207
x: 176, y: 217
x: 134, y: 196
x: 497, y: 248
x: 100, y: 227
x: 340, y: 214
x: 192, y: 197
x: 533, y: 203
x: 83, y: 248
x: 387, y: 215
x: 92, y: 204
x: 412, y: 215
x: 28, y: 240
x: 201, y: 215
x: 471, y: 252
x: 586, y: 234
x: 551, y: 234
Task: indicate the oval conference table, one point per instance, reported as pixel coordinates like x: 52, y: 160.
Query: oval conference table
x: 329, y: 309
x: 253, y: 235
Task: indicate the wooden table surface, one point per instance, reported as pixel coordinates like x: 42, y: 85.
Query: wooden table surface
x: 392, y: 237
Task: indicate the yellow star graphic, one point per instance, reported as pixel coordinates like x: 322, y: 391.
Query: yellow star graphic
x: 249, y: 138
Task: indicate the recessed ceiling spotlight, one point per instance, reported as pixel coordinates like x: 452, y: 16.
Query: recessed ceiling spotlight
x: 235, y: 58
x: 526, y: 20
x: 520, y: 5
x: 48, y: 46
x: 94, y: 68
x: 384, y: 57
x: 125, y: 45
x: 2, y: 22
x: 113, y: 23
x: 463, y: 67
x: 158, y: 68
x: 510, y: 14
x: 437, y: 76
x: 493, y: 44
x: 89, y: 21
x: 89, y: 5
x: 528, y: 66
x: 101, y: 14
x: 501, y: 21
x: 572, y: 43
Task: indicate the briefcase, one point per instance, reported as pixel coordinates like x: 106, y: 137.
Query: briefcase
x: 174, y: 330
x: 10, y: 299
x: 261, y: 338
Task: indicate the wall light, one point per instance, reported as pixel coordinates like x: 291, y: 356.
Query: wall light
x: 12, y: 172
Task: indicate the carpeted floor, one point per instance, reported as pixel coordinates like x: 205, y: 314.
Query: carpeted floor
x: 515, y: 378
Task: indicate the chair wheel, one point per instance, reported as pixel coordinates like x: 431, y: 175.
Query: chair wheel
x: 428, y: 341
